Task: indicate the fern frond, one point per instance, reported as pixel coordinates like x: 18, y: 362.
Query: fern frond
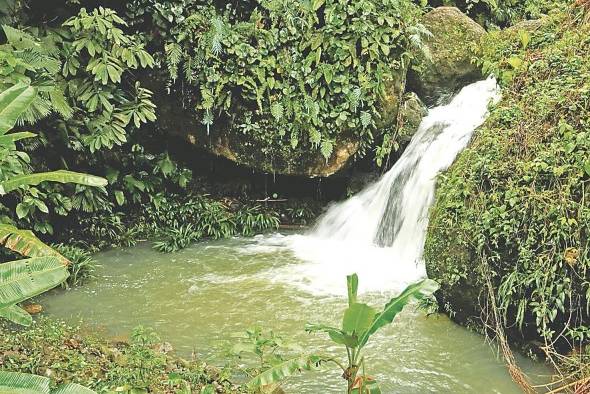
x: 173, y: 53
x: 59, y: 103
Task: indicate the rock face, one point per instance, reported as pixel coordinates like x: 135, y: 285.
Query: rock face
x: 272, y: 158
x: 411, y: 113
x: 449, y: 67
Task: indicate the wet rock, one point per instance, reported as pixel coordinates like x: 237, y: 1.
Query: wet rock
x: 411, y: 114
x: 449, y: 66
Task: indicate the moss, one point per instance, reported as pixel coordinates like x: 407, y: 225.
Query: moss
x: 518, y: 196
x: 450, y: 46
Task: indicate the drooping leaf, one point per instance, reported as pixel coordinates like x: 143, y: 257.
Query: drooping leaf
x: 72, y: 388
x: 416, y: 291
x: 23, y: 279
x: 26, y: 243
x: 335, y: 334
x: 16, y: 315
x: 61, y: 176
x: 23, y: 383
x: 13, y: 102
x: 285, y: 369
x: 9, y: 139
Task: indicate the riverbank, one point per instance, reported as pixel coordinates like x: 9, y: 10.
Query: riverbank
x: 76, y: 353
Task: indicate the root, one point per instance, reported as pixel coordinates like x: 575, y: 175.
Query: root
x: 517, y: 375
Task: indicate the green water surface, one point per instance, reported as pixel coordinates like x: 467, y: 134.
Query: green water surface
x: 201, y: 298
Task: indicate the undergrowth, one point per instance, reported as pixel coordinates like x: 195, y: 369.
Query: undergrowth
x: 518, y: 197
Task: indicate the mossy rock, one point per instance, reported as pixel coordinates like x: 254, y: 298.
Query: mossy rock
x: 256, y: 151
x: 513, y: 210
x: 449, y: 67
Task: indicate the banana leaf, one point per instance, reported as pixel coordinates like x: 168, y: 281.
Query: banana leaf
x: 61, y: 176
x: 416, y: 291
x: 23, y: 279
x: 285, y: 369
x: 16, y: 315
x: 24, y: 383
x: 26, y: 243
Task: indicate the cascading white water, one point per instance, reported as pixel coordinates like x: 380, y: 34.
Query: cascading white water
x: 380, y: 232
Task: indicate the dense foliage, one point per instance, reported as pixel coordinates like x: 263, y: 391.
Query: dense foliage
x: 71, y: 354
x: 517, y: 199
x: 296, y: 74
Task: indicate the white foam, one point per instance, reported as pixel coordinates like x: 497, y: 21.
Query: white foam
x: 380, y: 232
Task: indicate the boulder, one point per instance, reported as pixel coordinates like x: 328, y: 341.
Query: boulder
x: 449, y: 67
x: 410, y: 116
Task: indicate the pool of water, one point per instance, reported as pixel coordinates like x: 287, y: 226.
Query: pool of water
x: 201, y: 298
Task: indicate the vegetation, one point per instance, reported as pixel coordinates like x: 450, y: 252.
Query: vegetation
x: 45, y: 268
x: 294, y: 79
x: 515, y: 204
x: 504, y: 13
x: 295, y: 74
x: 15, y: 382
x: 73, y: 355
x: 359, y: 323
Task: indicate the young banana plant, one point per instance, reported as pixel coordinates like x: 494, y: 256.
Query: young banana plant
x: 359, y: 322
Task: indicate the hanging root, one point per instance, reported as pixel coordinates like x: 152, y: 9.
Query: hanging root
x: 517, y: 375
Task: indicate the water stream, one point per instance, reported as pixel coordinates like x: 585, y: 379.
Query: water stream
x: 199, y: 299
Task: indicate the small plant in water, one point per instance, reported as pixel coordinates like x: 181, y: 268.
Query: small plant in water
x: 359, y: 322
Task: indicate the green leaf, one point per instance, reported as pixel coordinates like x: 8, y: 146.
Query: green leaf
x: 23, y: 279
x: 61, y: 176
x: 72, y: 388
x: 23, y: 383
x: 208, y: 389
x: 416, y: 291
x: 25, y: 243
x: 335, y: 334
x: 284, y: 370
x: 120, y: 197
x: 525, y: 38
x: 22, y: 210
x: 13, y: 102
x: 357, y: 319
x: 16, y: 315
x: 515, y: 62
x: 11, y: 138
x: 352, y: 283
x: 326, y: 148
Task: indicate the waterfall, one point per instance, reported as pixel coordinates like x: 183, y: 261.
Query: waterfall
x: 380, y: 232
